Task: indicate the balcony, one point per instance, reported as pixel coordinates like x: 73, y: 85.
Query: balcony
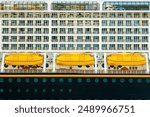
x: 5, y: 24
x: 88, y: 32
x: 54, y: 40
x: 95, y: 32
x: 70, y: 24
x: 54, y: 24
x: 54, y: 48
x: 5, y: 32
x: 79, y: 48
x: 29, y: 32
x: 144, y: 48
x: 62, y: 48
x: 46, y: 32
x: 71, y: 48
x: 95, y: 48
x: 21, y: 48
x: 38, y: 48
x: 79, y: 32
x: 5, y: 40
x: 5, y: 48
x: 62, y: 24
x: 104, y: 48
x: 88, y: 48
x: 37, y: 40
x: 38, y: 24
x: 13, y: 48
x: 21, y: 40
x: 95, y: 40
x: 45, y: 48
x: 29, y: 48
x: 95, y: 24
x: 88, y: 40
x: 29, y: 24
x: 21, y: 32
x: 70, y: 40
x: 13, y: 40
x: 29, y: 40
x: 46, y: 40
x: 38, y: 32
x: 79, y: 40
x: 128, y: 48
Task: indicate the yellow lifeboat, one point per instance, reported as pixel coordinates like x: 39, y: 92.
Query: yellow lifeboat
x: 74, y: 59
x: 25, y: 59
x: 126, y: 59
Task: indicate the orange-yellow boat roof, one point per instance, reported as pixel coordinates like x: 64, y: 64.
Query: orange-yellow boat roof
x: 24, y: 59
x: 126, y: 59
x: 73, y: 59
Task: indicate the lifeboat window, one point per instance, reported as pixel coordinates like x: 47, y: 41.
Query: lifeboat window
x: 103, y: 65
x: 87, y: 66
x: 13, y: 65
x: 79, y: 66
x: 5, y: 65
x: 21, y: 65
x: 119, y: 66
x: 47, y: 65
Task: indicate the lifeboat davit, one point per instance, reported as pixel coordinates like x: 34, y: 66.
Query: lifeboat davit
x: 24, y: 59
x: 126, y: 59
x: 74, y: 59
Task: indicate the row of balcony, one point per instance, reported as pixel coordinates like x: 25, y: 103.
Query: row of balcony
x: 25, y: 40
x: 74, y: 15
x: 75, y: 48
x: 121, y: 48
x: 53, y: 48
x: 125, y: 23
x: 124, y: 40
x: 25, y: 48
x: 75, y: 31
x: 125, y: 31
x: 50, y: 15
x: 124, y: 47
x: 78, y: 23
x: 72, y: 32
x: 25, y: 23
x: 125, y: 15
x: 24, y: 32
x: 75, y: 40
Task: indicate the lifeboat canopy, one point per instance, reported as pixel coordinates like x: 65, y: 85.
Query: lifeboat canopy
x: 74, y: 59
x: 24, y: 59
x: 126, y: 59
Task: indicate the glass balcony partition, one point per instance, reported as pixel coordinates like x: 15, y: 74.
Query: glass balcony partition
x: 75, y: 5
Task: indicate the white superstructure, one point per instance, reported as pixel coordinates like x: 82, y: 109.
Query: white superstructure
x: 99, y: 27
